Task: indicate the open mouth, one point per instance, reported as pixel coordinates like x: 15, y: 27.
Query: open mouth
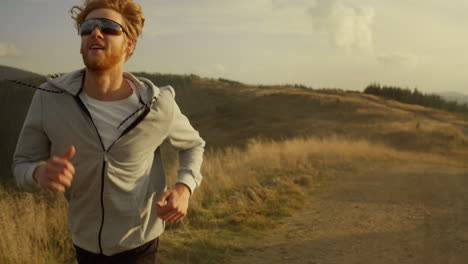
x: 96, y: 47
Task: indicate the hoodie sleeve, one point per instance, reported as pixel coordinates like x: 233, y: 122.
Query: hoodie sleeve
x: 32, y: 148
x: 190, y: 145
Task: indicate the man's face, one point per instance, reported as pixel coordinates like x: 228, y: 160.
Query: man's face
x: 112, y: 49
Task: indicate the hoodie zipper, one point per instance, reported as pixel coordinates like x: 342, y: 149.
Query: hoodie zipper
x: 103, y: 171
x: 104, y: 164
x: 105, y: 159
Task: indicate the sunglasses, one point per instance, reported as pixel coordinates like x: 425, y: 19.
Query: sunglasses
x: 107, y: 26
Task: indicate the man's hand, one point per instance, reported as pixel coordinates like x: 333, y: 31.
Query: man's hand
x: 173, y: 204
x: 58, y: 173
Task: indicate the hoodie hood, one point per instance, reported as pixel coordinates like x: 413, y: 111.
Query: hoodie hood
x: 72, y: 84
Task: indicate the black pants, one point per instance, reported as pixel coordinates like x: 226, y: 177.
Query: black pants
x: 144, y: 254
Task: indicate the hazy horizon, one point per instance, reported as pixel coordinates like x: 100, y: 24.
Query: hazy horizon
x: 344, y: 44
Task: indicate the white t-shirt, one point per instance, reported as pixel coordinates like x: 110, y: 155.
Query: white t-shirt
x: 107, y: 115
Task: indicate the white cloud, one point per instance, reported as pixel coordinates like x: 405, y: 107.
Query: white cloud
x: 348, y: 27
x: 226, y: 17
x: 7, y: 49
x: 399, y: 59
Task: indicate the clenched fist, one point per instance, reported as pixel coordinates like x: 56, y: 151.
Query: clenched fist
x: 58, y: 173
x: 173, y: 204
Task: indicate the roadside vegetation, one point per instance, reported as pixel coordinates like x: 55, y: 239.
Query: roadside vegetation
x: 245, y: 192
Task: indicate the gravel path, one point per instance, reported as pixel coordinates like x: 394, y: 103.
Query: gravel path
x: 410, y: 213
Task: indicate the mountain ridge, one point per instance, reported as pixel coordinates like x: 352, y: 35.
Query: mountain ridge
x: 7, y: 72
x: 454, y: 96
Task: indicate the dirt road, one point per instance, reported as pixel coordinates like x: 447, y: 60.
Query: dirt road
x: 399, y: 213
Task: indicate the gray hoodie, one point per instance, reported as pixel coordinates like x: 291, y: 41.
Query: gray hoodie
x: 112, y: 197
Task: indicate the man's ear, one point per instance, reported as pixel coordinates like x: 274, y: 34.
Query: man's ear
x: 130, y: 46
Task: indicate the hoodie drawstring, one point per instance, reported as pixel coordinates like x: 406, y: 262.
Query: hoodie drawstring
x: 147, y: 106
x: 35, y: 87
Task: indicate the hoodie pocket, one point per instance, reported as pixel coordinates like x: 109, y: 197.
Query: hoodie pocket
x: 83, y: 218
x: 122, y: 223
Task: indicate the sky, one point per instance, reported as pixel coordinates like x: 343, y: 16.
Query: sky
x: 344, y: 44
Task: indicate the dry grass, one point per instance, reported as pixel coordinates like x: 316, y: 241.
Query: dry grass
x: 243, y: 190
x: 247, y: 191
x: 234, y: 169
x: 33, y: 228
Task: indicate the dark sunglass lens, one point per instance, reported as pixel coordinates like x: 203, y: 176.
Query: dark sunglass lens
x: 111, y: 31
x: 111, y: 28
x: 106, y: 26
x: 87, y: 27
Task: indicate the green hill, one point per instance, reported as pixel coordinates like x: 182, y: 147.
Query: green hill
x: 229, y: 113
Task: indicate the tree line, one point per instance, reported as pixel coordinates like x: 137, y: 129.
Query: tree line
x: 415, y: 97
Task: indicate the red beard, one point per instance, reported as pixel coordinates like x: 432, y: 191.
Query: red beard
x: 103, y: 62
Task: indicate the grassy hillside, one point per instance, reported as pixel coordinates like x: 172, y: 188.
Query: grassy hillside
x: 14, y: 104
x: 229, y: 113
x: 267, y: 146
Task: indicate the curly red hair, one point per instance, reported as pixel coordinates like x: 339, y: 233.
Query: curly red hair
x: 133, y: 19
